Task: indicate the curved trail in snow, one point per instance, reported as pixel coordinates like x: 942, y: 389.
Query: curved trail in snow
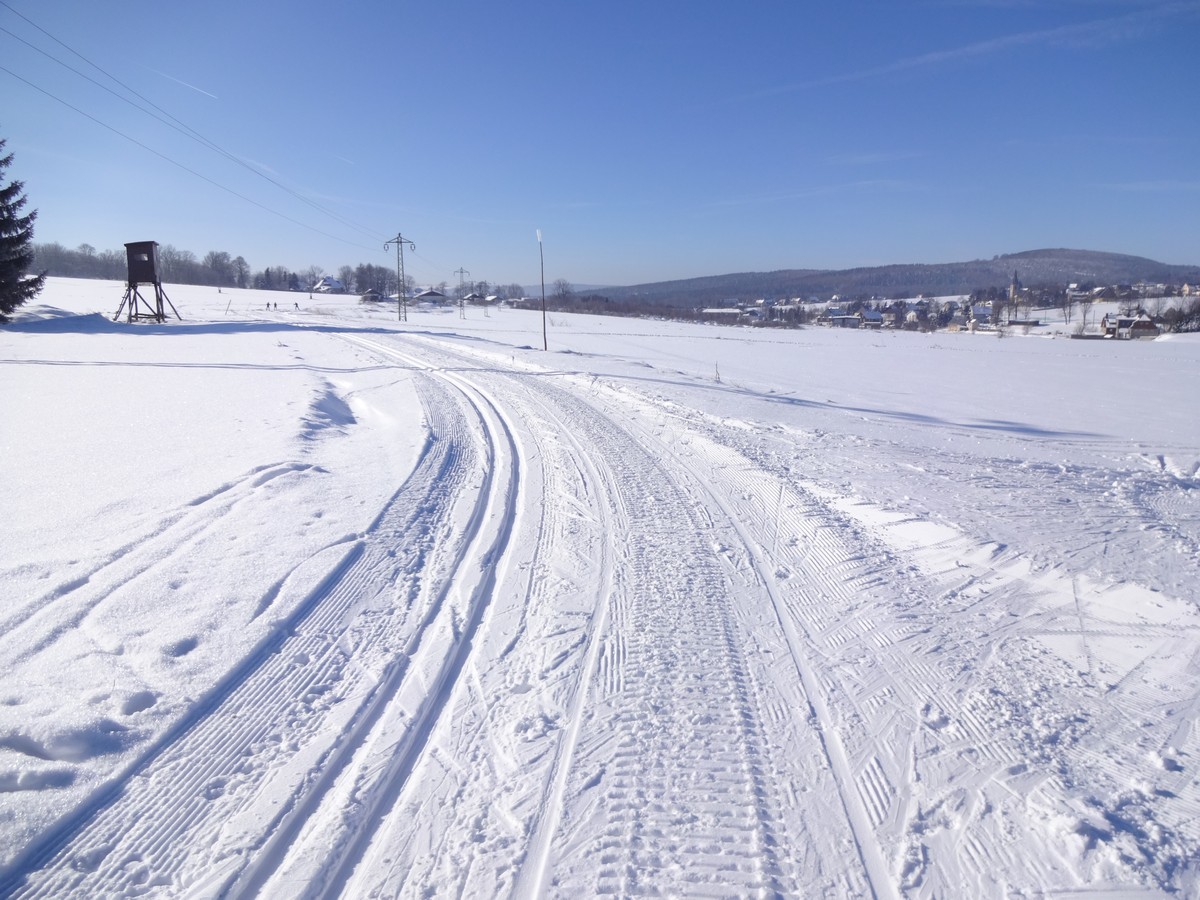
x: 655, y: 664
x: 599, y: 645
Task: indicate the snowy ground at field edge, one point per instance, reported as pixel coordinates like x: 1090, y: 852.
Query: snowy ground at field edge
x: 672, y: 608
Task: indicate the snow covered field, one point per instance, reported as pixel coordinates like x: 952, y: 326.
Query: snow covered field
x: 311, y: 603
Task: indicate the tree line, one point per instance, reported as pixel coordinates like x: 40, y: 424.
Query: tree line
x: 219, y: 268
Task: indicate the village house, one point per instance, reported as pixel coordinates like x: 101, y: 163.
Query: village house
x: 1128, y: 327
x: 837, y: 317
x: 328, y: 285
x: 981, y: 314
x: 721, y: 312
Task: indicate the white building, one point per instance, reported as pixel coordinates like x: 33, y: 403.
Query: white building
x: 328, y: 285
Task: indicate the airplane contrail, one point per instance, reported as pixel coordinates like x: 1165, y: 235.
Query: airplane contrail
x: 184, y: 83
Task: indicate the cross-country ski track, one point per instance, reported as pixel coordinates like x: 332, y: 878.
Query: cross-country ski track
x: 598, y: 643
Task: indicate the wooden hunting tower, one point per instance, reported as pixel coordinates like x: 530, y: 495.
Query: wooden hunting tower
x: 142, y: 259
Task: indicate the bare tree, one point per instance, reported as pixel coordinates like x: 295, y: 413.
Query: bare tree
x: 168, y: 262
x: 312, y: 275
x: 220, y: 265
x: 999, y: 311
x: 112, y: 264
x: 241, y: 272
x: 1066, y: 302
x: 1085, y: 311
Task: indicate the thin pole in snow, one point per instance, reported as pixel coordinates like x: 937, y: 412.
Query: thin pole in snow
x: 542, y: 257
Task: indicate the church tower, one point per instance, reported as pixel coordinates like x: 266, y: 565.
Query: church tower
x: 1014, y: 289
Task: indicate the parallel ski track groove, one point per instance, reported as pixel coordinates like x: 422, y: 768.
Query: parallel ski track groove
x: 534, y: 870
x: 565, y: 466
x: 503, y: 470
x: 262, y: 697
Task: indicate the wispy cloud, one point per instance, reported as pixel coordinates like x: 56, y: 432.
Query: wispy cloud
x: 184, y: 83
x: 581, y: 205
x: 1079, y: 138
x: 1043, y: 4
x: 1100, y: 32
x: 871, y: 159
x: 825, y: 190
x: 1154, y: 187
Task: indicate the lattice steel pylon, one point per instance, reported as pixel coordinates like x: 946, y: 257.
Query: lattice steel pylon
x: 401, y: 293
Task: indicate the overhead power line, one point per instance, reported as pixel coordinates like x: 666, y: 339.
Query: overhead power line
x: 166, y: 118
x: 175, y: 162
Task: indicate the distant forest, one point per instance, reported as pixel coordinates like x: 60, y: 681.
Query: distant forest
x: 220, y: 269
x: 217, y: 268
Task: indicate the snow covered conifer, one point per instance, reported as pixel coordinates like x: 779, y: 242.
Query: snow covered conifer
x: 16, y: 245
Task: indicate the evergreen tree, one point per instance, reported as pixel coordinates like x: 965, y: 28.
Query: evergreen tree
x: 16, y: 245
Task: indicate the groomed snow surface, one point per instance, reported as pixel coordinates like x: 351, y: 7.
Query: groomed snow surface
x: 309, y: 602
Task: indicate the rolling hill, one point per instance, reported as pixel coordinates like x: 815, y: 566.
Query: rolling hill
x: 1033, y: 267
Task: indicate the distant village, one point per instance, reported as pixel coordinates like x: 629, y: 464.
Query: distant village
x: 1142, y: 309
x: 1123, y: 311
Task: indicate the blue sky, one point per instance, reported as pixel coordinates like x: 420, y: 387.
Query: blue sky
x: 647, y: 139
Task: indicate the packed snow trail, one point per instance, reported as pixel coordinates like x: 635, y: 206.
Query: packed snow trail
x: 634, y: 648
x: 579, y: 717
